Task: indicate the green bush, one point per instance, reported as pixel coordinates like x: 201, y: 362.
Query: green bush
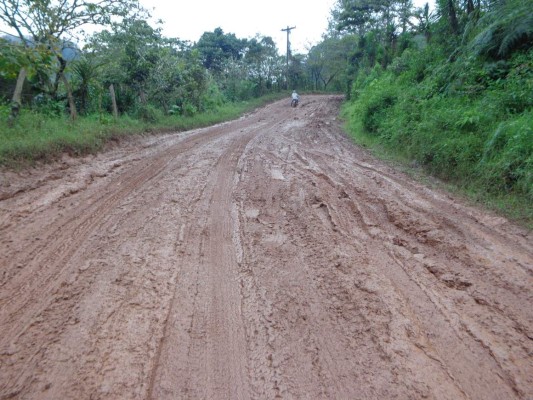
x: 376, y: 97
x: 212, y: 98
x: 47, y: 106
x: 189, y: 109
x: 4, y: 111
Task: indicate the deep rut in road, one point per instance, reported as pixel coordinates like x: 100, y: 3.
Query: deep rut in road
x: 262, y: 258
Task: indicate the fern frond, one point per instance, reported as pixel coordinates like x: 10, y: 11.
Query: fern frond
x: 518, y: 34
x: 505, y: 28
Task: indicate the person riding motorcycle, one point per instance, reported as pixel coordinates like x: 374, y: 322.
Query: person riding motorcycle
x: 295, y: 98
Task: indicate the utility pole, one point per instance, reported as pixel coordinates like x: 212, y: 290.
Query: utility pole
x: 288, y: 30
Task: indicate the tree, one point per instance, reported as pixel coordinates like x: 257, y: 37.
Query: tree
x: 448, y: 12
x: 142, y: 45
x: 217, y: 48
x: 14, y: 56
x: 378, y: 23
x: 362, y: 16
x: 85, y: 71
x: 404, y: 10
x: 140, y: 63
x: 425, y: 21
x: 19, y: 61
x: 328, y: 60
x: 47, y: 22
x: 263, y: 62
x: 195, y: 84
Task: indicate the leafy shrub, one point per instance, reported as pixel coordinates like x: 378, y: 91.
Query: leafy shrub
x: 189, y: 109
x: 47, y: 106
x: 375, y: 99
x: 4, y: 111
x: 375, y: 111
x: 174, y: 110
x: 507, y: 27
x: 212, y: 98
x: 245, y: 90
x: 105, y: 119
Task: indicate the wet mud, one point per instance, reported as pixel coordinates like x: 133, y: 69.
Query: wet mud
x: 262, y: 258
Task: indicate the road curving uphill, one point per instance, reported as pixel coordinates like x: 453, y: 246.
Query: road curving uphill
x: 263, y: 258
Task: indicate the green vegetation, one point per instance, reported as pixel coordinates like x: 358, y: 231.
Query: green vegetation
x: 452, y: 94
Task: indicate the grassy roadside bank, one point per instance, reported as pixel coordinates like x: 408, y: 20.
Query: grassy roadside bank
x: 38, y: 137
x: 514, y: 206
x: 467, y: 121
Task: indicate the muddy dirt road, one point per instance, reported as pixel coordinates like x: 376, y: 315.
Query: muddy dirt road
x: 259, y: 259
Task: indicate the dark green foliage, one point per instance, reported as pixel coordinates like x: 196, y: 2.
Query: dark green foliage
x: 463, y: 112
x: 86, y: 74
x: 507, y: 158
x: 217, y: 48
x: 481, y: 140
x: 506, y: 28
x: 377, y: 107
x: 48, y: 107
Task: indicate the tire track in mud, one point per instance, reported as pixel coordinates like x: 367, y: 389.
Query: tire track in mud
x: 66, y: 238
x: 205, y: 357
x: 323, y: 174
x: 318, y: 350
x: 64, y: 245
x: 49, y: 288
x: 263, y: 258
x: 77, y: 228
x: 464, y: 326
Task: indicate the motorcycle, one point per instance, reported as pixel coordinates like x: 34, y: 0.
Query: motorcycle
x: 294, y: 103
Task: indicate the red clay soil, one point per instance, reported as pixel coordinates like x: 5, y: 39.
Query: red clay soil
x: 262, y: 258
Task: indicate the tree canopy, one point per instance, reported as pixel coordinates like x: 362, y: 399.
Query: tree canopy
x: 217, y: 48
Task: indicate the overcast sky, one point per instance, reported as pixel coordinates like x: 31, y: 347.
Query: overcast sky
x: 187, y: 20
